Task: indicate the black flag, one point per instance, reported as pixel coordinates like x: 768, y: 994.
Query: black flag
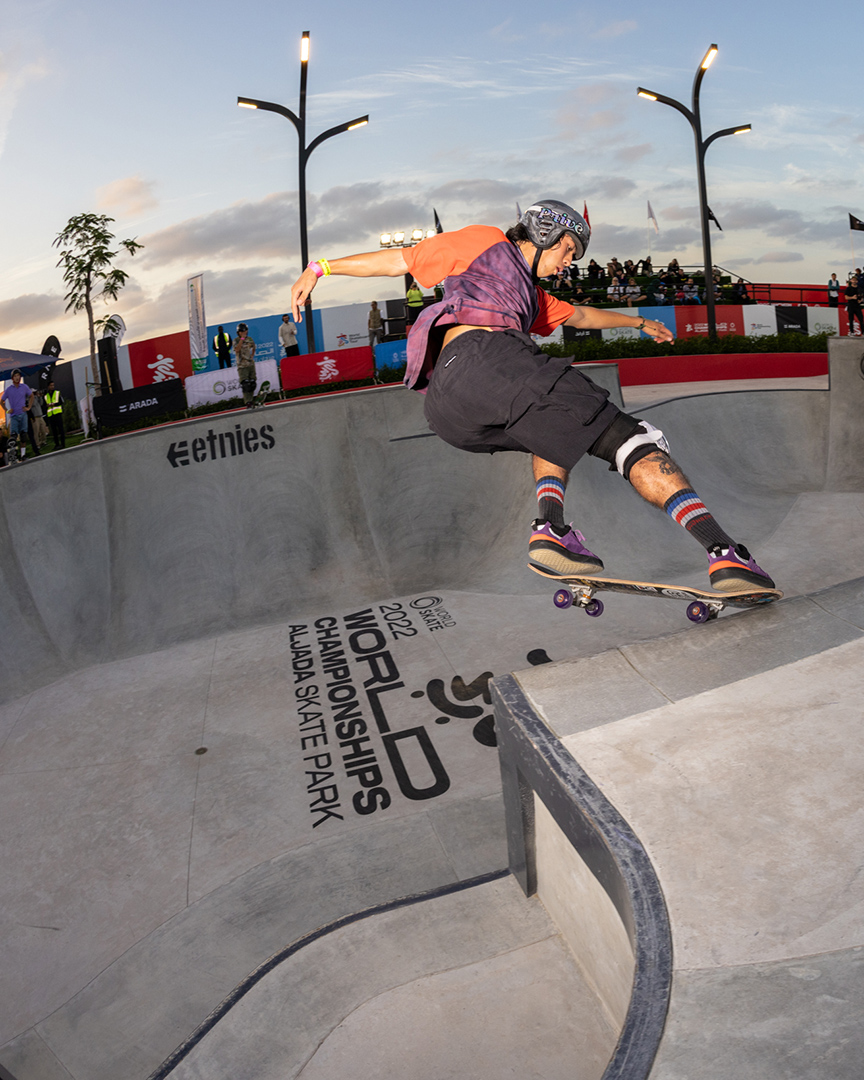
x: 439, y: 228
x: 856, y: 223
x: 714, y: 219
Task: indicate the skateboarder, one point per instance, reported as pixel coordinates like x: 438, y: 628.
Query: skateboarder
x: 489, y: 387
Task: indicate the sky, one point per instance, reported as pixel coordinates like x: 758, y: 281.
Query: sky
x: 131, y: 111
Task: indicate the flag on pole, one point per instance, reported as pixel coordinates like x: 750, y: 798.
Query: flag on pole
x: 198, y: 345
x: 585, y: 214
x: 856, y: 223
x: 652, y: 218
x: 714, y: 219
x: 439, y: 228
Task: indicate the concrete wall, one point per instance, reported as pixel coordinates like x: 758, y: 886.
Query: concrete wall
x: 110, y: 550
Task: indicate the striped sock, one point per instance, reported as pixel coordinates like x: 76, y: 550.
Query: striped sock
x: 550, y: 499
x: 689, y: 511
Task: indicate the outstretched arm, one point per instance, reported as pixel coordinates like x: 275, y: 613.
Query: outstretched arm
x: 387, y: 263
x: 588, y: 318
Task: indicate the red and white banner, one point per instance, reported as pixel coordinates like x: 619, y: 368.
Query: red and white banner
x: 327, y: 367
x: 691, y: 320
x: 160, y: 359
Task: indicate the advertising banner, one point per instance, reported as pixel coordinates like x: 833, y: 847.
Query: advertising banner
x: 791, y: 319
x: 616, y: 333
x: 160, y: 359
x: 662, y: 313
x: 759, y: 320
x: 326, y: 367
x: 114, y: 410
x: 198, y: 346
x: 824, y: 320
x: 264, y: 331
x: 216, y: 386
x: 391, y: 354
x: 691, y: 320
x: 345, y: 327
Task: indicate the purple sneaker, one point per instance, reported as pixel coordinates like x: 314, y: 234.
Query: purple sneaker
x: 734, y: 569
x: 561, y: 552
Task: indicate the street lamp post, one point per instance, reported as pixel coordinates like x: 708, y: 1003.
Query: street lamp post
x: 702, y: 145
x: 298, y: 119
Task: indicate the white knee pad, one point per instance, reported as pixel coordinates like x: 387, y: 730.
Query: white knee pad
x: 649, y: 436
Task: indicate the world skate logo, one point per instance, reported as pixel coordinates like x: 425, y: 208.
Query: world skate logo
x: 164, y: 368
x: 327, y: 369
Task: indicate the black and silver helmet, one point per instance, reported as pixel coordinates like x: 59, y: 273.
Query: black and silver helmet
x: 548, y: 220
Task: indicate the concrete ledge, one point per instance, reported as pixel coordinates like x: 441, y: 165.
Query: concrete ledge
x: 534, y: 760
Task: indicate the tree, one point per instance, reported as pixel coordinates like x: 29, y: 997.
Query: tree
x: 87, y: 270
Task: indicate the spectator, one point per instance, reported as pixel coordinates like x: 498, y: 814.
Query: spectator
x: 655, y: 293
x: 615, y: 292
x: 244, y: 351
x: 614, y: 268
x: 39, y: 432
x: 54, y: 412
x: 16, y: 400
x: 690, y: 293
x: 594, y: 272
x: 740, y: 294
x: 375, y: 325
x: 853, y: 306
x: 222, y: 348
x: 4, y: 444
x: 647, y: 268
x: 413, y: 305
x: 629, y: 268
x: 833, y: 291
x: 579, y: 297
x: 673, y: 272
x: 288, y: 337
x: 633, y: 294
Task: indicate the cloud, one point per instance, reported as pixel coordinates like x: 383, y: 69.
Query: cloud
x: 616, y: 29
x: 130, y: 196
x: 593, y: 106
x: 780, y: 257
x: 627, y: 155
x: 610, y: 187
x: 30, y: 309
x: 503, y: 32
x: 15, y: 75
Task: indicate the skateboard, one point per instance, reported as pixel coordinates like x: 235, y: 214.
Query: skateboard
x: 580, y: 590
x: 261, y: 397
x: 12, y: 450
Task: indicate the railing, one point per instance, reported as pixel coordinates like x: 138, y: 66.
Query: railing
x: 758, y: 292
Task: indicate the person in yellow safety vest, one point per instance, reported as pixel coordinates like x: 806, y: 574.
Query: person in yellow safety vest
x: 54, y: 413
x: 222, y: 348
x: 414, y: 305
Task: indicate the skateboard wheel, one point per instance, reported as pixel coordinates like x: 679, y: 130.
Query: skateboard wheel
x: 594, y: 608
x: 563, y: 598
x: 698, y: 612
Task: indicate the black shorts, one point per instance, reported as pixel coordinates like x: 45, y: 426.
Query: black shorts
x: 496, y: 390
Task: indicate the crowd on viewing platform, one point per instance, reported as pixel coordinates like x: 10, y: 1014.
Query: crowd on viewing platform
x: 614, y: 284
x: 617, y: 284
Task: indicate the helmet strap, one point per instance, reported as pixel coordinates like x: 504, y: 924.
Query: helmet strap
x: 536, y: 265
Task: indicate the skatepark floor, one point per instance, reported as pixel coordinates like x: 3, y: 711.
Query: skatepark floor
x: 166, y: 857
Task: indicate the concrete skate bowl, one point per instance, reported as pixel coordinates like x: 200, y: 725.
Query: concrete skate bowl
x: 152, y: 538
x: 174, y: 536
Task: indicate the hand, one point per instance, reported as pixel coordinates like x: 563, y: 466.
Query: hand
x: 301, y: 290
x: 658, y: 331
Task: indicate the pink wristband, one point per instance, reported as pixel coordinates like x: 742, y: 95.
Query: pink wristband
x: 316, y: 268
